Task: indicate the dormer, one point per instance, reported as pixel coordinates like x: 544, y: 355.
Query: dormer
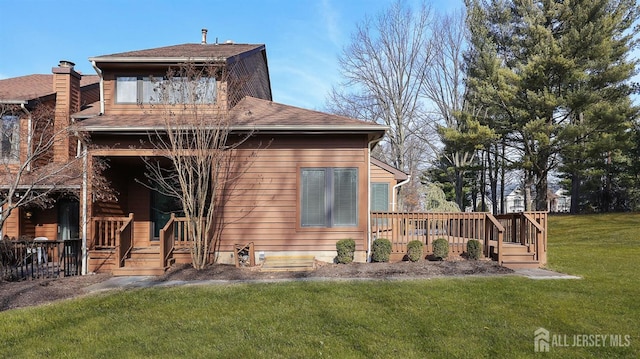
x: 129, y: 78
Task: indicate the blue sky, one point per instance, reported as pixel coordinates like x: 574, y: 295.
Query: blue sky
x: 303, y: 37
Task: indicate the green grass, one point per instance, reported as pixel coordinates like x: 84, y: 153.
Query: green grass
x: 453, y: 317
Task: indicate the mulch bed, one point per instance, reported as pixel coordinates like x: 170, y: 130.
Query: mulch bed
x: 37, y: 292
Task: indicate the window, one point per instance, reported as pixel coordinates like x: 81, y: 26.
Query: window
x: 160, y: 90
x: 9, y: 138
x: 379, y: 197
x: 329, y: 197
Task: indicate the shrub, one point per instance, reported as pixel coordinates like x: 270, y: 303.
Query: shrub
x: 381, y: 250
x: 414, y: 250
x: 440, y: 248
x: 345, y: 248
x: 474, y: 250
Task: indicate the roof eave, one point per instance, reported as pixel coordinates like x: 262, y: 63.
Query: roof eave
x: 14, y: 102
x: 156, y: 59
x: 269, y: 129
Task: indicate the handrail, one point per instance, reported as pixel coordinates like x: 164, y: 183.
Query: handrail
x: 167, y: 240
x: 492, y: 220
x: 124, y: 240
x: 540, y: 238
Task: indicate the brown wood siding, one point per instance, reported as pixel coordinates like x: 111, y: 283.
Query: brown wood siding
x: 89, y: 94
x: 262, y: 202
x: 264, y: 205
x: 12, y: 224
x: 379, y: 175
x: 249, y: 77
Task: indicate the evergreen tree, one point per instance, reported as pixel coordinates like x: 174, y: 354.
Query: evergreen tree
x: 541, y: 67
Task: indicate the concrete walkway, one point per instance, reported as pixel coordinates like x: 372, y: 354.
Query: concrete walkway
x: 127, y: 282
x: 539, y: 273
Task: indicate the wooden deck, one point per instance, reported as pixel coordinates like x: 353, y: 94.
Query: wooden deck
x: 515, y: 240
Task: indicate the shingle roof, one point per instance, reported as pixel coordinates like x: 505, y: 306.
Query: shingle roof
x: 249, y: 113
x: 182, y: 52
x: 35, y: 86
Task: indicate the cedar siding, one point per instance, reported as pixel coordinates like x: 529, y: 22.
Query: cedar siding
x: 264, y: 207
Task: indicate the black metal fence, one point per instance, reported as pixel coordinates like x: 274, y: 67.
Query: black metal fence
x: 33, y: 259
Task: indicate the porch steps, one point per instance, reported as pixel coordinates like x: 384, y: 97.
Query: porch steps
x: 517, y: 256
x: 288, y: 264
x: 141, y: 261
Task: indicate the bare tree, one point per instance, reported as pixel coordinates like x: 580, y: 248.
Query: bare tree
x: 384, y: 70
x: 445, y: 89
x: 196, y: 149
x: 28, y: 175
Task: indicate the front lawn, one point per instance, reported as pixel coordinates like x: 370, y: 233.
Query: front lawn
x: 450, y: 317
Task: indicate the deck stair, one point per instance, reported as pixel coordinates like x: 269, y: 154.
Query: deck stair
x: 142, y: 261
x: 518, y: 256
x: 297, y: 263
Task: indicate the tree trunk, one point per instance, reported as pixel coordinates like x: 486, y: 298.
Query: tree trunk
x: 575, y: 194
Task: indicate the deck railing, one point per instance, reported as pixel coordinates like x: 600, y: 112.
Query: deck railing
x: 528, y: 228
x: 105, y: 231
x: 167, y: 240
x: 402, y: 227
x: 124, y: 241
x: 29, y: 259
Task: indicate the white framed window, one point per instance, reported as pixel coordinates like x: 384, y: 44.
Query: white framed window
x: 329, y: 197
x: 10, y: 138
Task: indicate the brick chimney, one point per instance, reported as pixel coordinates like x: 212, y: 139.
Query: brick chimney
x: 66, y: 85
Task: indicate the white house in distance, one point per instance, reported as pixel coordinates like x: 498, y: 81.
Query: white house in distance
x: 557, y: 202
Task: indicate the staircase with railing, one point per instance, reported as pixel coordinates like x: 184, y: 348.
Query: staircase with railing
x: 113, y: 248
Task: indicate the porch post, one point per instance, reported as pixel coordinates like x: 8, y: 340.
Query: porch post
x: 85, y: 221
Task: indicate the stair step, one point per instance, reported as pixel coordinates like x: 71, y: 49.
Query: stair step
x: 288, y: 264
x: 521, y: 264
x: 135, y: 271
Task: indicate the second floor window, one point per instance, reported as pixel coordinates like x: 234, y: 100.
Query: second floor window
x: 131, y: 89
x: 9, y: 138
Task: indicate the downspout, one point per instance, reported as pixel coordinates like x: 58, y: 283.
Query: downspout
x: 99, y: 72
x: 369, y: 147
x: 29, y: 134
x: 393, y: 194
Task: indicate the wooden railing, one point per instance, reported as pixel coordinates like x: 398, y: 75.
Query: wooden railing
x: 456, y: 228
x: 527, y: 228
x: 124, y: 241
x: 174, y: 235
x: 167, y: 240
x: 114, y: 233
x: 105, y: 231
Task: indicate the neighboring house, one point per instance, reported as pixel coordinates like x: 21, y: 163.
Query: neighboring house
x: 56, y: 96
x: 559, y: 201
x: 309, y: 185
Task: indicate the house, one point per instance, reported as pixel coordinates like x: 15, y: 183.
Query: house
x: 27, y: 105
x: 307, y: 186
x: 297, y: 181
